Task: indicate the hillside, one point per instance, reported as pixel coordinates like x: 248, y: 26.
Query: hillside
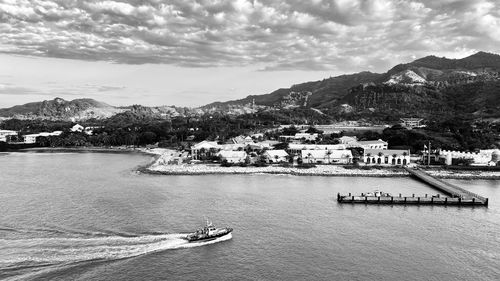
x: 60, y: 109
x: 426, y: 86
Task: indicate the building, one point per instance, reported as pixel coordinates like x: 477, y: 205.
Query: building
x: 204, y: 149
x: 77, y: 128
x: 347, y: 140
x: 6, y: 133
x: 371, y: 144
x: 31, y: 138
x: 233, y: 156
x: 299, y: 137
x: 276, y: 156
x: 386, y: 157
x: 482, y: 158
x: 294, y: 148
x: 306, y: 136
x: 411, y: 122
x: 327, y: 156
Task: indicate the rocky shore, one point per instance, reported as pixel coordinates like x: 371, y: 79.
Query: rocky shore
x: 320, y: 170
x: 159, y: 166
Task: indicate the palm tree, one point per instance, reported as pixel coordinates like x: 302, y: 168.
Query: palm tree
x: 328, y: 153
x: 309, y: 156
x: 276, y: 157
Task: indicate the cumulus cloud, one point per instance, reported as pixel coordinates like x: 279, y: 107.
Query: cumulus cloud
x: 295, y: 34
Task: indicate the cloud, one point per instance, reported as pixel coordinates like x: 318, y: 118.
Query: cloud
x: 58, y: 89
x: 316, y: 35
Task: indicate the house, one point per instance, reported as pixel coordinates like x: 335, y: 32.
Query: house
x: 233, y: 156
x: 276, y: 155
x: 5, y: 133
x: 342, y: 156
x: 347, y: 139
x: 386, y: 156
x: 204, y: 149
x: 370, y: 144
x: 411, y: 123
x: 77, y: 128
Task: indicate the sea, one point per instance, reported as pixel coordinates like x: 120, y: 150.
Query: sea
x: 92, y: 216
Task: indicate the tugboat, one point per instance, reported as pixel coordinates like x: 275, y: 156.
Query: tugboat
x: 209, y: 232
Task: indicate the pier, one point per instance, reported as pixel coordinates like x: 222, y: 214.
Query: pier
x: 457, y: 196
x: 450, y: 189
x: 409, y: 200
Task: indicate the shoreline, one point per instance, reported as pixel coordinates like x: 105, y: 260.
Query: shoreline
x: 156, y: 168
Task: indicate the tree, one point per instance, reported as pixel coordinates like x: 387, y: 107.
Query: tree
x: 328, y: 153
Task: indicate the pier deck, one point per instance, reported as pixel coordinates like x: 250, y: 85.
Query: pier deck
x: 409, y: 200
x: 450, y: 189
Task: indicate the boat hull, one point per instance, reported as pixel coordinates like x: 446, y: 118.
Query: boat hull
x: 208, y: 237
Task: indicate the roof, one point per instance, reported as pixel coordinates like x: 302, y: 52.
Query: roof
x: 387, y: 152
x: 316, y: 146
x: 324, y: 153
x: 206, y: 145
x: 372, y: 142
x: 276, y: 152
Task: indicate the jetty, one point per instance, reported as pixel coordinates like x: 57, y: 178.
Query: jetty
x: 409, y: 200
x: 445, y: 187
x: 457, y: 196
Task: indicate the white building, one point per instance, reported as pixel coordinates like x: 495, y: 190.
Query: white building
x: 77, y: 128
x: 295, y: 148
x: 386, y: 156
x: 371, y: 144
x: 5, y: 133
x: 327, y: 156
x: 481, y: 158
x: 204, y: 148
x: 276, y: 156
x: 347, y: 140
x: 233, y: 156
x: 31, y: 138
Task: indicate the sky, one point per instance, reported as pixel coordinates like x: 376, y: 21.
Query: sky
x: 193, y: 52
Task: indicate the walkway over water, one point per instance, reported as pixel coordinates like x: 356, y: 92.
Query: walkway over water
x: 445, y: 187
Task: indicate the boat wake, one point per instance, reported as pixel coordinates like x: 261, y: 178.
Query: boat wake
x: 23, y: 256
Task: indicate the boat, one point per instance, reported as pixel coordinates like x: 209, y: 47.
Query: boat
x: 207, y: 233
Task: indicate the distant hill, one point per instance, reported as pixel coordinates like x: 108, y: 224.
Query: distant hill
x: 429, y: 86
x: 426, y: 86
x: 60, y: 109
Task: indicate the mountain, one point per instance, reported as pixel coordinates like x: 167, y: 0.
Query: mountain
x: 60, y: 109
x: 424, y: 87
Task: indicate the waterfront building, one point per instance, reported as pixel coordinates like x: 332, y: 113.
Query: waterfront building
x: 370, y: 144
x: 204, y: 149
x: 326, y: 156
x: 386, y: 157
x: 487, y: 157
x: 295, y: 148
x: 276, y: 156
x: 233, y: 156
x: 6, y: 133
x: 31, y: 138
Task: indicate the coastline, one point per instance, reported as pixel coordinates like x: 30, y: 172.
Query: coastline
x: 158, y: 167
x: 117, y: 149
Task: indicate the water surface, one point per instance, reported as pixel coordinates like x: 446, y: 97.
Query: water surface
x: 89, y: 216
